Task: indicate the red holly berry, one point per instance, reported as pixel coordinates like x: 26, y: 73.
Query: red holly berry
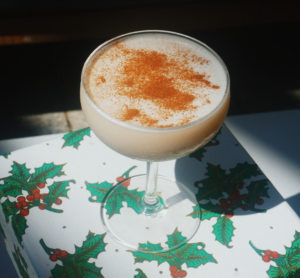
x: 275, y: 255
x: 42, y: 206
x: 25, y: 204
x: 35, y: 191
x: 58, y: 202
x: 229, y: 214
x: 182, y: 273
x: 236, y: 193
x: 175, y: 274
x: 63, y: 254
x: 227, y: 206
x: 21, y: 199
x: 53, y: 258
x: 56, y: 252
x: 245, y: 207
x: 260, y: 201
x: 36, y: 195
x: 266, y: 259
x: 173, y: 268
x: 30, y: 198
x: 243, y: 197
x: 41, y: 185
x: 125, y: 183
x: 239, y: 186
x: 24, y: 212
x: 222, y: 207
x: 231, y: 199
x: 43, y: 196
x: 19, y: 205
x: 223, y: 201
x: 268, y: 253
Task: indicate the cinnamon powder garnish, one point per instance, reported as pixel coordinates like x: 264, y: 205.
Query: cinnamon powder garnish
x: 166, y: 81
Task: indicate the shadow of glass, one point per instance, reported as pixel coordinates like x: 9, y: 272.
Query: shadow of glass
x: 219, y: 195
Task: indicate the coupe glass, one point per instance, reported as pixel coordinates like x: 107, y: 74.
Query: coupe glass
x: 162, y: 205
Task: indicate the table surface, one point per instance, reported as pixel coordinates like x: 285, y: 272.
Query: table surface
x: 271, y: 139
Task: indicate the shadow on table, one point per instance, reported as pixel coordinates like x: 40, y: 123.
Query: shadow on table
x: 221, y: 192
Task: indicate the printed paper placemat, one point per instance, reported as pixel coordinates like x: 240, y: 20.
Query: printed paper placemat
x: 51, y: 193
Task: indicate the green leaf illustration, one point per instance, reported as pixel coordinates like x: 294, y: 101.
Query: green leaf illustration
x: 98, y: 190
x: 22, y: 269
x: 140, y: 274
x: 77, y: 265
x: 20, y: 171
x: 288, y: 265
x: 21, y: 257
x: 9, y: 208
x: 47, y: 171
x: 74, y: 138
x: 2, y: 232
x: 10, y: 190
x: 56, y: 190
x: 6, y: 154
x: 256, y: 190
x: 223, y: 230
x: 199, y: 154
x: 188, y: 253
x: 19, y: 226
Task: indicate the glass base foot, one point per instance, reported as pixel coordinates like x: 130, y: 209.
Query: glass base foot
x: 149, y: 229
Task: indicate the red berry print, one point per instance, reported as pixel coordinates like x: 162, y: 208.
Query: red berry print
x: 175, y: 274
x: 21, y: 199
x: 63, y: 254
x: 56, y: 252
x: 223, y: 201
x: 268, y: 253
x: 231, y: 199
x: 244, y: 196
x: 182, y: 273
x: 43, y: 196
x: 266, y: 259
x: 58, y: 202
x: 275, y: 255
x: 245, y: 207
x: 239, y: 186
x: 24, y: 212
x: 24, y: 204
x: 30, y: 198
x: 236, y: 193
x: 229, y: 214
x: 35, y: 191
x: 126, y: 183
x: 222, y: 207
x: 260, y: 202
x: 173, y: 268
x: 19, y: 205
x: 227, y: 206
x: 36, y: 195
x: 53, y: 258
x: 42, y: 206
x: 41, y: 185
x: 119, y: 179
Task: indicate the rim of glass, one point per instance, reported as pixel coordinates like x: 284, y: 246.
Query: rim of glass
x: 156, y: 129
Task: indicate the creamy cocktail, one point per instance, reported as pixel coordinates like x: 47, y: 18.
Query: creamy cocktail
x: 154, y: 96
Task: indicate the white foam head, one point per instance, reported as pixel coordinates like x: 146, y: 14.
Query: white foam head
x: 123, y: 82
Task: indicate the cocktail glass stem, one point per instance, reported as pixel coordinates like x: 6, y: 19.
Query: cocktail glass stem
x: 150, y: 197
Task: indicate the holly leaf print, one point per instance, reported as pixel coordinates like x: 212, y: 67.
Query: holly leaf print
x: 140, y: 274
x: 223, y: 230
x: 2, y: 232
x: 77, y: 265
x: 19, y: 226
x: 74, y: 138
x: 47, y: 171
x: 9, y: 208
x: 196, y: 212
x: 256, y: 190
x: 199, y: 154
x: 188, y: 253
x: 20, y: 171
x: 21, y: 268
x: 288, y: 265
x: 98, y: 190
x: 56, y: 190
x: 5, y: 155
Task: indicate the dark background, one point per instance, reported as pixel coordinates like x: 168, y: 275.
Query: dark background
x: 43, y: 47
